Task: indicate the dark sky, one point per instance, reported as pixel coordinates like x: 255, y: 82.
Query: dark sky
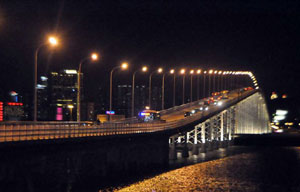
x: 262, y: 36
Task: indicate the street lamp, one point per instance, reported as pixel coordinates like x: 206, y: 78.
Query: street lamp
x: 204, y: 85
x: 71, y: 110
x: 144, y: 69
x: 220, y: 81
x: 182, y: 72
x: 198, y: 86
x: 163, y: 92
x: 93, y: 57
x: 123, y: 66
x: 214, y: 81
x: 191, y: 73
x: 159, y: 70
x: 172, y: 71
x: 223, y: 82
x: 53, y: 42
x: 209, y: 88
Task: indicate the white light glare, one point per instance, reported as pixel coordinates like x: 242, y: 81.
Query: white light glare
x: 281, y: 112
x: 279, y: 117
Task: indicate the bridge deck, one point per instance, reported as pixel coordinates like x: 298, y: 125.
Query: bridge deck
x: 175, y: 120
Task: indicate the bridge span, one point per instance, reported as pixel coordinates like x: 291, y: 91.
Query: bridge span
x: 31, y: 152
x: 244, y: 112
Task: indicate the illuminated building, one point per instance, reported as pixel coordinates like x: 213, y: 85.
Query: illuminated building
x: 56, y: 93
x: 62, y: 91
x: 11, y: 111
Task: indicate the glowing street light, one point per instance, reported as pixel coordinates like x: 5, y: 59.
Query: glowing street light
x: 209, y: 83
x: 144, y: 69
x: 214, y: 81
x: 198, y: 86
x: 172, y: 71
x: 182, y: 72
x: 159, y: 70
x: 191, y: 73
x: 219, y: 81
x: 53, y: 42
x: 123, y: 66
x: 204, y: 85
x: 93, y: 57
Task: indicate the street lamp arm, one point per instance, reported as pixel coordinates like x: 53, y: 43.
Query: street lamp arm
x: 163, y: 92
x: 132, y: 94
x: 78, y: 88
x: 150, y: 86
x: 110, y: 87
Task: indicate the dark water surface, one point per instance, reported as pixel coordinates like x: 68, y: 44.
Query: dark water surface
x: 255, y: 169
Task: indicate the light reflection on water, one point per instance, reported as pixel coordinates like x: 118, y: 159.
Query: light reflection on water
x: 262, y: 169
x: 208, y: 156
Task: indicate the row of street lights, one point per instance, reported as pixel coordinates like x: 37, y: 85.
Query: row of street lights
x: 54, y: 42
x: 172, y: 72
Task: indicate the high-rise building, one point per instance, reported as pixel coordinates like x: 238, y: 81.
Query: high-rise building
x: 57, y: 97
x: 62, y: 95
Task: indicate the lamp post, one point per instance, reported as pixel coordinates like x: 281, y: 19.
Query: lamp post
x: 191, y: 73
x: 204, y: 85
x: 172, y: 71
x: 198, y: 86
x: 214, y: 81
x: 223, y: 86
x: 209, y: 88
x: 182, y: 72
x: 93, y: 57
x: 53, y: 42
x: 159, y: 70
x: 163, y: 92
x: 144, y: 69
x: 220, y: 81
x: 123, y: 66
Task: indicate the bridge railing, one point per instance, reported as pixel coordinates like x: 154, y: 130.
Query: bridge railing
x: 45, y: 131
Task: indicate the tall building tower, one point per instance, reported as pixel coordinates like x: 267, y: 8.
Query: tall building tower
x: 62, y: 93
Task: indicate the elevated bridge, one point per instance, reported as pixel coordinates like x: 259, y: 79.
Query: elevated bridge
x: 80, y: 153
x: 244, y: 112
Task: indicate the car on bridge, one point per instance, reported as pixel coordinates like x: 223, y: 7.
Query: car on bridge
x: 203, y: 107
x: 187, y: 114
x: 148, y: 115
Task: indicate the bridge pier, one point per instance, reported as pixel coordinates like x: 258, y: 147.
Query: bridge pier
x: 172, y: 151
x: 202, y: 148
x: 195, y: 149
x: 185, y: 150
x: 223, y: 144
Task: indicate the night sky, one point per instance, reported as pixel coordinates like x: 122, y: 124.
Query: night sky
x: 261, y: 36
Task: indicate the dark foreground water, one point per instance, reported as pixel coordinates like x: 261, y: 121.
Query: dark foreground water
x: 259, y: 163
x: 257, y: 169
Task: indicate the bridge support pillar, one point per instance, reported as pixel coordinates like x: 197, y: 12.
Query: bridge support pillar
x: 172, y: 149
x: 224, y: 144
x: 203, y: 148
x: 215, y: 144
x: 209, y: 146
x: 185, y: 150
x: 172, y: 152
x: 195, y: 149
